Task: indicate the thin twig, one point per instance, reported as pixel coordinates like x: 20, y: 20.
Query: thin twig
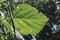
x: 11, y: 16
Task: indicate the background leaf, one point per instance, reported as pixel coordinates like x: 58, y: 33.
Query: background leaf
x: 1, y: 1
x: 27, y: 19
x: 7, y: 25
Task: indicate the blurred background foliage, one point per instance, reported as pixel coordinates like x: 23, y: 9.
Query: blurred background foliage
x: 51, y: 8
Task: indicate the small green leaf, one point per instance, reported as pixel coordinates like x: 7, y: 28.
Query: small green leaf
x: 2, y: 38
x: 7, y: 25
x: 1, y: 1
x: 27, y: 20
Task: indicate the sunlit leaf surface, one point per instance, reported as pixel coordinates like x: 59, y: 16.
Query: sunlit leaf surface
x: 1, y: 1
x: 27, y: 20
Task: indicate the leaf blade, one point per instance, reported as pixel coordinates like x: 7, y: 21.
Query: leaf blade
x: 29, y: 20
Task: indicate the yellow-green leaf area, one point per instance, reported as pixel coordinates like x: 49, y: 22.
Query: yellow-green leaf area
x: 1, y: 1
x: 28, y: 20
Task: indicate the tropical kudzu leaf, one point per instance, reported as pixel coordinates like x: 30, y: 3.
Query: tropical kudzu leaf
x: 27, y: 20
x: 7, y: 25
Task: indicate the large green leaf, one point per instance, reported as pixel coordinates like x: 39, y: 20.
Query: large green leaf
x: 27, y: 19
